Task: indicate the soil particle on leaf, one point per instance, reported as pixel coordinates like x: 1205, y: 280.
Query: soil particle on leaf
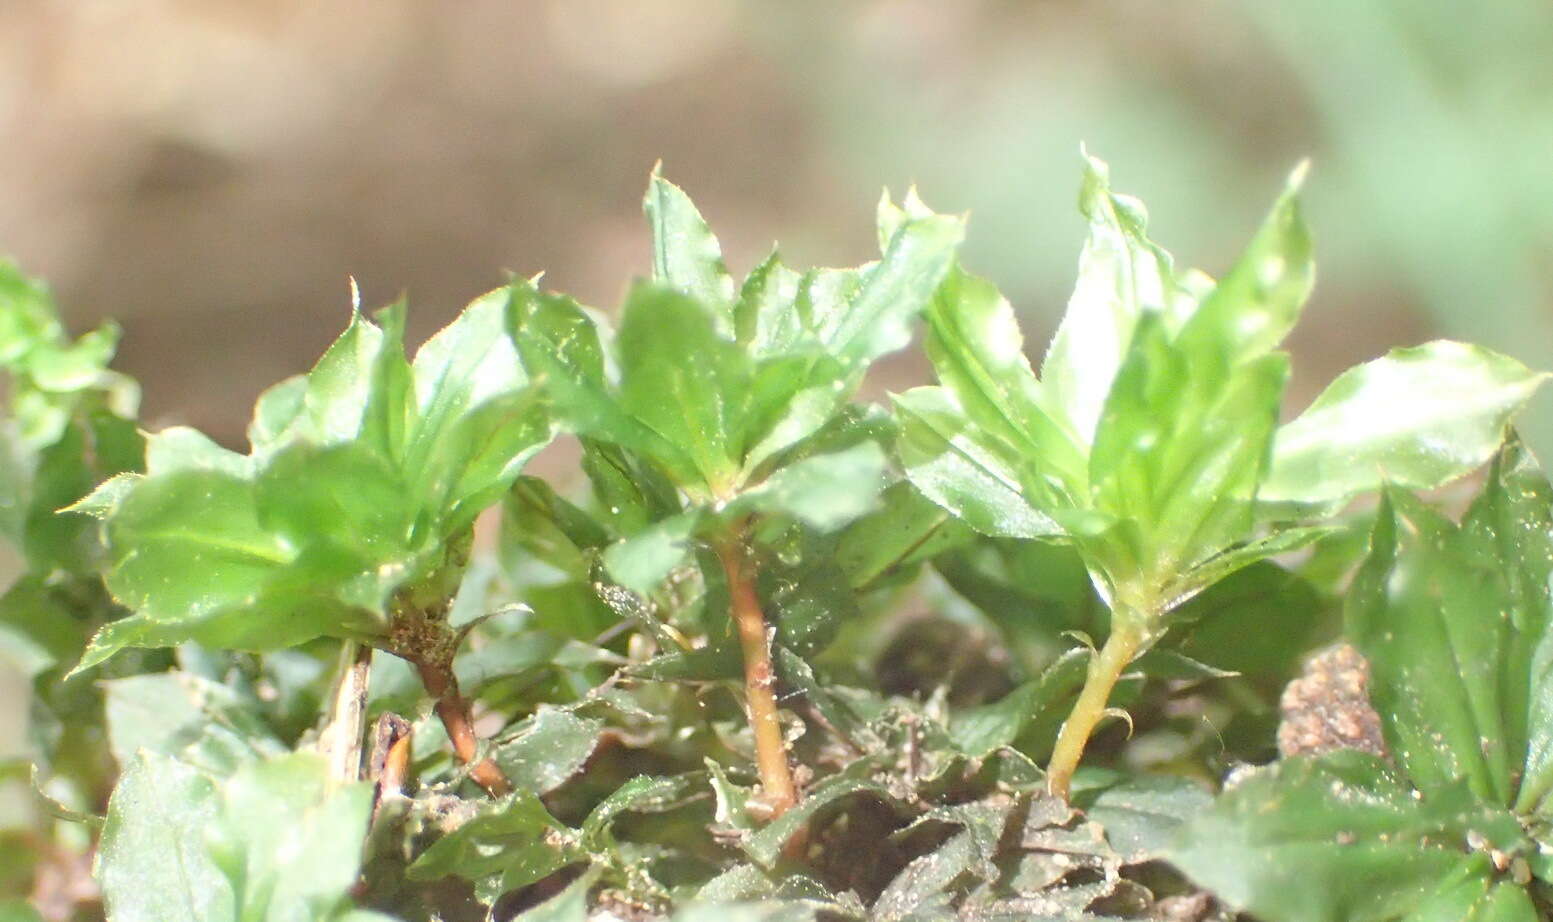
x: 614, y: 906
x: 1328, y: 707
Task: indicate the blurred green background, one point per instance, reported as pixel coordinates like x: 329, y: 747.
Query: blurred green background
x: 209, y: 172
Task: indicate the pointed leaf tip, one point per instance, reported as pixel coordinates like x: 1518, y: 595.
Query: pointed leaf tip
x: 1298, y: 175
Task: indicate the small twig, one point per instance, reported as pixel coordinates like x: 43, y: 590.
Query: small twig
x: 341, y: 738
x: 389, y: 764
x: 813, y: 714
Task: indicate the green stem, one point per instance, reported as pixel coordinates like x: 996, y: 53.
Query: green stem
x: 1105, y: 668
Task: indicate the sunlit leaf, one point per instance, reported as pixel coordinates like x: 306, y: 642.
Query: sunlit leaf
x: 952, y: 464
x: 824, y: 491
x: 1121, y: 275
x: 686, y: 255
x: 365, y: 478
x: 1415, y: 419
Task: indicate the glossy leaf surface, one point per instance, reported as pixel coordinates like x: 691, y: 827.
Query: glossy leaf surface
x: 1415, y: 419
x: 179, y: 844
x: 364, y: 478
x: 1341, y: 837
x: 1453, y: 620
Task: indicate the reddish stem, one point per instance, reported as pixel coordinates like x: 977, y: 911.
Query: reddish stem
x: 776, y: 778
x: 453, y: 710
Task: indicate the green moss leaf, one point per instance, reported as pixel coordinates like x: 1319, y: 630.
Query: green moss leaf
x: 178, y: 714
x: 153, y: 862
x: 980, y: 731
x: 685, y: 380
x: 1122, y: 274
x: 1415, y: 419
x: 543, y: 751
x: 1255, y: 305
x: 509, y: 843
x: 272, y: 843
x: 859, y: 326
x: 1454, y: 621
x: 304, y: 866
x: 686, y: 255
x: 1341, y: 837
x: 824, y: 491
x: 956, y: 466
x: 644, y: 560
x: 563, y: 346
x: 905, y: 530
x: 765, y: 846
x: 977, y: 350
x: 1181, y: 447
x: 642, y: 794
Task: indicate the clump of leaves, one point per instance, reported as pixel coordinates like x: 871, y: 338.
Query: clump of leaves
x: 737, y: 396
x: 1454, y: 619
x: 350, y: 516
x: 71, y: 423
x: 1151, y: 441
x: 779, y: 655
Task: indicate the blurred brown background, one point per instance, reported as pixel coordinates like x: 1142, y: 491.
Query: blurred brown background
x: 209, y: 172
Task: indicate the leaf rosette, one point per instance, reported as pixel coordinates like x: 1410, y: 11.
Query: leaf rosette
x: 359, y: 492
x: 1151, y: 439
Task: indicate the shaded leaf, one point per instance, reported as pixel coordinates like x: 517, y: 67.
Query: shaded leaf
x: 547, y: 749
x: 924, y: 884
x: 570, y: 905
x: 153, y: 864
x: 765, y: 846
x: 978, y: 732
x: 642, y: 794
x: 303, y: 866
x: 37, y: 628
x: 1433, y: 624
x: 1143, y: 814
x: 906, y: 529
x: 178, y: 714
x: 807, y: 602
x: 510, y: 843
x: 1257, y: 622
x: 1339, y: 837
